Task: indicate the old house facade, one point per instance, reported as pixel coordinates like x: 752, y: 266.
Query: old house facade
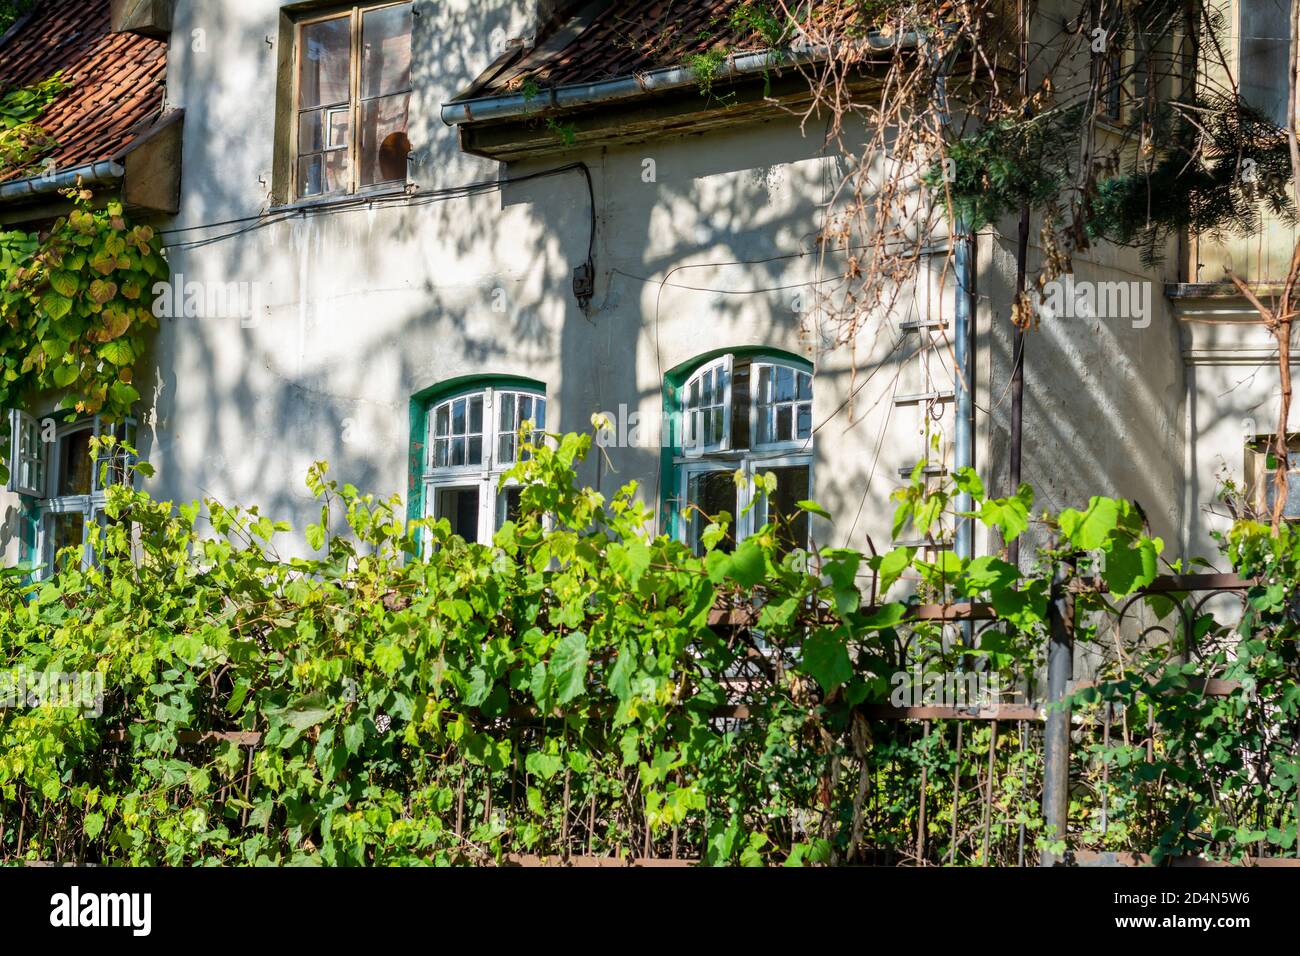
x: 405, y: 228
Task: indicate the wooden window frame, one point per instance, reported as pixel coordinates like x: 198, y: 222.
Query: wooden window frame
x: 355, y: 12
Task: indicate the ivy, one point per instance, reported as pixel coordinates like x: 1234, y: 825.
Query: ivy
x: 75, y: 307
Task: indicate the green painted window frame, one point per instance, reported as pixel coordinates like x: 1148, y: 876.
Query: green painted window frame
x: 421, y: 406
x: 671, y: 465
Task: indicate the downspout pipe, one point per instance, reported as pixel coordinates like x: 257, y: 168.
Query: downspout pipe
x: 519, y: 105
x: 91, y: 174
x: 964, y: 372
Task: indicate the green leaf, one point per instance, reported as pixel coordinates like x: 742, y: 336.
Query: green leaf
x: 568, y: 667
x: 826, y: 658
x: 1128, y: 568
x: 542, y: 765
x: 56, y: 306
x: 93, y: 824
x: 1087, y: 530
x: 813, y: 507
x: 747, y: 566
x: 629, y: 559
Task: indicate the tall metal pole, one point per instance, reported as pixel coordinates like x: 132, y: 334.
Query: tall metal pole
x: 1056, y: 733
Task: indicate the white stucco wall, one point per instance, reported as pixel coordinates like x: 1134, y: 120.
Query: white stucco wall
x: 359, y: 309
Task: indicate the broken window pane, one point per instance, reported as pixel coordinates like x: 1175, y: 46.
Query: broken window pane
x: 710, y: 492
x: 75, y: 464
x: 384, y: 145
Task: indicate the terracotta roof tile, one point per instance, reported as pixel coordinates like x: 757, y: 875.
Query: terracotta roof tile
x: 117, y: 78
x: 633, y: 36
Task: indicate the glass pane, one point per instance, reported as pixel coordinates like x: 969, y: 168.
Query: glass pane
x: 475, y: 451
x: 311, y: 136
x: 1265, y: 49
x: 476, y: 415
x: 784, y: 391
x: 323, y: 64
x: 323, y: 173
x: 792, y: 486
x: 765, y: 416
x: 508, y: 500
x: 458, y: 417
x: 783, y: 423
x: 386, y: 51
x: 712, y: 492
x: 694, y: 400
x: 442, y: 417
x: 506, y: 420
x: 764, y: 384
x: 540, y: 411
x: 457, y: 458
x: 384, y: 145
x: 506, y: 449
x: 805, y: 387
x: 67, y: 531
x: 717, y: 426
x: 805, y: 421
x: 440, y: 452
x: 75, y: 465
x: 460, y: 507
x: 525, y: 408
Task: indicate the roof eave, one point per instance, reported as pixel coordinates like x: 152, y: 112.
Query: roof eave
x: 514, y: 106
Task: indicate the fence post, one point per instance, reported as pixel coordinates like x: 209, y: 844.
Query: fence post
x: 1056, y: 732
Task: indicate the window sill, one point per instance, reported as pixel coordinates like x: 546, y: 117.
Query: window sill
x: 359, y: 198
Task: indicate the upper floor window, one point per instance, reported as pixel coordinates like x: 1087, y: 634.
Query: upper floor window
x: 58, y: 466
x: 1261, y: 477
x: 745, y: 414
x: 473, y: 439
x: 1263, y: 55
x: 352, y: 98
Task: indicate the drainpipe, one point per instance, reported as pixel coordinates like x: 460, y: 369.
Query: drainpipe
x: 964, y: 372
x: 91, y: 174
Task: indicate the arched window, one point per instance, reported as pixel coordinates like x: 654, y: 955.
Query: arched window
x: 747, y: 413
x: 472, y: 439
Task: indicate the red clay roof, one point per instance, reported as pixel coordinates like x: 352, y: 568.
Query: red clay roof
x: 117, y: 78
x: 627, y: 36
x: 602, y: 39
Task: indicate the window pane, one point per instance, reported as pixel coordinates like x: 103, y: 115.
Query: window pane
x: 805, y: 387
x: 805, y: 421
x: 460, y: 507
x: 441, y: 449
x: 476, y: 415
x: 386, y: 51
x: 784, y: 391
x: 694, y: 400
x: 765, y: 384
x: 506, y: 420
x: 458, y: 417
x: 75, y: 465
x: 506, y: 449
x: 67, y: 531
x: 525, y: 408
x: 384, y: 145
x: 508, y: 500
x: 792, y: 486
x: 442, y: 417
x: 712, y: 492
x: 783, y: 423
x: 323, y: 173
x: 323, y: 65
x: 540, y: 415
x: 1265, y: 51
x: 475, y: 450
x: 457, y: 458
x: 311, y: 135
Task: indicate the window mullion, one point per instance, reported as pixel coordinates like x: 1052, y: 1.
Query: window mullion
x: 354, y: 131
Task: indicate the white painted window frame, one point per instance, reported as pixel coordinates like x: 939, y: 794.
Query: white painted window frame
x: 486, y: 476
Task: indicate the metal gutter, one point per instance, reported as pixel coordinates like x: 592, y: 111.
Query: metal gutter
x: 520, y: 105
x: 90, y: 174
